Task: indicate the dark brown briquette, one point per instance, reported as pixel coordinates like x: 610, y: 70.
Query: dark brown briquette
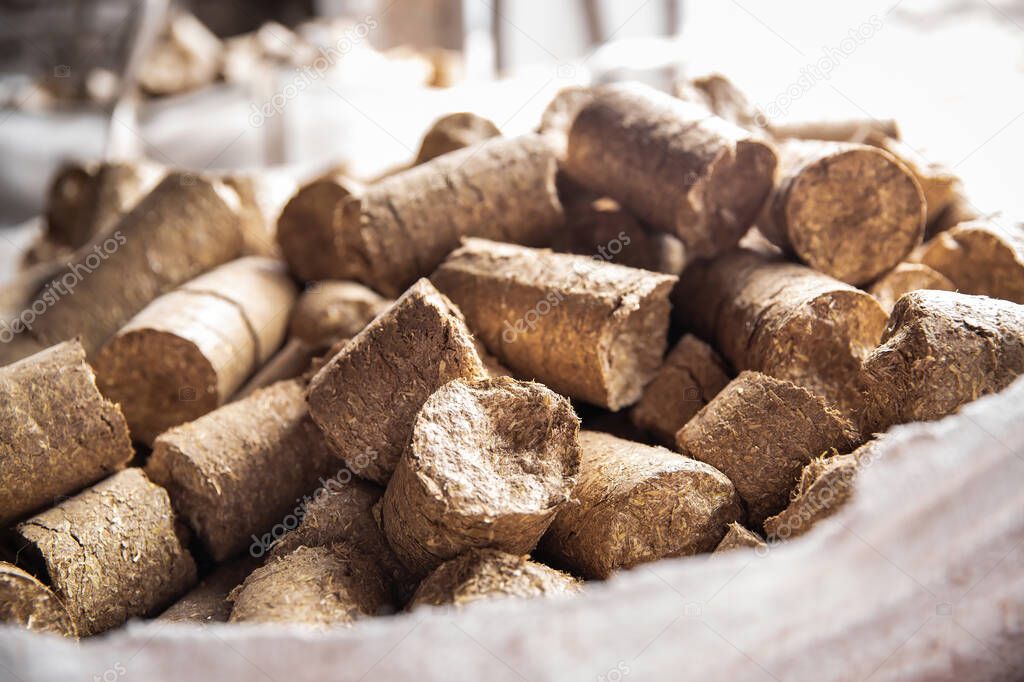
x: 903, y: 279
x: 112, y: 552
x: 366, y: 397
x: 760, y: 432
x: 483, y: 574
x: 178, y: 231
x: 318, y: 587
x: 737, y: 536
x: 850, y: 211
x: 489, y: 464
x: 979, y: 257
x: 304, y: 228
x: 239, y: 470
x: 636, y: 503
x: 188, y: 351
x: 27, y: 602
x: 672, y: 164
x: 941, y: 350
x: 692, y: 374
x: 331, y: 310
x: 783, y: 319
x: 405, y: 225
x: 71, y: 190
x: 589, y: 329
x: 455, y: 131
x: 208, y: 601
x: 57, y: 432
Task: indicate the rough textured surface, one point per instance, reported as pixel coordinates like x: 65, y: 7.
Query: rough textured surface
x: 481, y: 574
x: 455, y: 131
x: 980, y: 258
x: 941, y: 350
x: 241, y: 469
x: 366, y: 397
x: 760, y: 432
x: 849, y: 211
x: 208, y: 601
x: 27, y: 602
x: 332, y: 310
x: 601, y: 229
x: 318, y: 587
x: 783, y: 319
x: 304, y: 232
x: 188, y: 351
x: 692, y: 374
x: 826, y: 484
x: 586, y: 328
x: 340, y: 512
x: 903, y: 279
x: 57, y: 433
x: 489, y: 464
x: 111, y: 552
x: 179, y: 230
x: 672, y: 164
x: 635, y: 503
x: 405, y: 224
x: 737, y: 536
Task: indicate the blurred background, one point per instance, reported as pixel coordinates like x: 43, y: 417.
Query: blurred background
x: 299, y: 86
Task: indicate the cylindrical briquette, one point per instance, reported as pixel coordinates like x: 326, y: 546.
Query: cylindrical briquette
x: 904, y: 278
x: 587, y: 328
x: 187, y: 352
x: 481, y: 574
x: 859, y: 130
x: 489, y: 464
x: 365, y: 399
x: 455, y: 131
x: 331, y: 310
x: 783, y: 319
x: 672, y: 164
x: 208, y: 601
x: 636, y: 503
x: 178, y: 231
x: 27, y: 602
x: 940, y: 351
x: 67, y: 200
x: 319, y: 587
x: 59, y: 433
x: 112, y: 552
x: 239, y: 470
x: 737, y: 536
x: 849, y: 211
x: 404, y: 225
x: 979, y: 258
x: 304, y: 227
x: 760, y: 432
x: 692, y: 374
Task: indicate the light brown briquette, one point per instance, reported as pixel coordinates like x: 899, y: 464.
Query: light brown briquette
x: 317, y: 587
x: 489, y: 465
x: 331, y: 310
x: 557, y: 117
x: 938, y: 183
x: 738, y: 537
x: 850, y: 211
x: 940, y: 351
x: 110, y: 553
x: 188, y: 351
x: 904, y: 278
x: 365, y: 399
x: 760, y: 432
x: 960, y: 210
x: 178, y: 231
x: 589, y: 329
x: 27, y: 602
x: 238, y: 471
x: 601, y: 229
x: 979, y: 257
x: 692, y: 374
x: 341, y: 512
x: 208, y: 601
x: 721, y: 97
x: 672, y: 164
x: 186, y: 56
x: 261, y: 198
x: 403, y: 226
x: 305, y: 232
x: 637, y: 503
x: 453, y: 132
x: 826, y: 484
x: 858, y: 130
x: 295, y: 359
x: 483, y: 574
x: 786, y: 320
x: 59, y: 433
